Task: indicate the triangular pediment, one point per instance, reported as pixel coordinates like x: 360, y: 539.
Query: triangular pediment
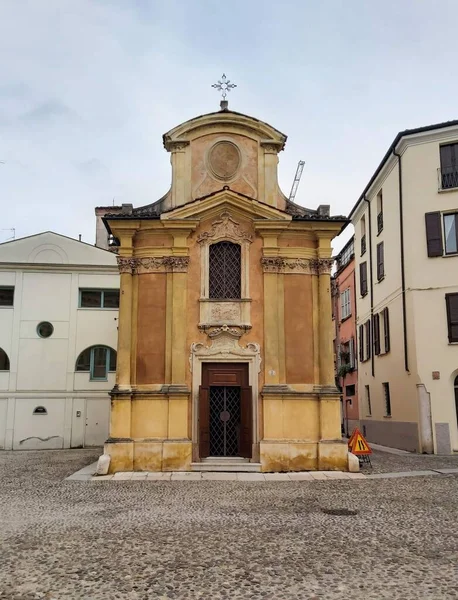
x: 226, y: 199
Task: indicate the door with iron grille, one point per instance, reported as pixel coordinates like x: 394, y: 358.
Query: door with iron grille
x: 225, y: 411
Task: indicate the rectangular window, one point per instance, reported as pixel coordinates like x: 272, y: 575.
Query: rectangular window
x: 451, y: 233
x: 6, y: 296
x: 361, y: 343
x: 386, y: 392
x: 350, y: 390
x: 380, y: 262
x: 367, y: 335
x: 368, y: 400
x: 379, y: 212
x: 449, y: 166
x: 376, y: 333
x: 99, y: 298
x: 451, y: 301
x: 363, y: 235
x: 386, y: 328
x: 363, y: 278
x: 345, y: 304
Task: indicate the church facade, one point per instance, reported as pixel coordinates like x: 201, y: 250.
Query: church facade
x: 225, y: 330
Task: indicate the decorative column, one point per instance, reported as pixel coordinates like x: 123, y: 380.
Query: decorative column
x: 326, y: 359
x: 274, y: 321
x: 126, y: 267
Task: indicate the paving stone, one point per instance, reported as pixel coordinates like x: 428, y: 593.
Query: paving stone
x: 335, y: 474
x: 219, y: 476
x: 318, y: 475
x: 250, y: 477
x: 277, y: 477
x: 122, y: 476
x: 186, y: 476
x: 101, y: 477
x: 158, y: 476
x: 301, y: 476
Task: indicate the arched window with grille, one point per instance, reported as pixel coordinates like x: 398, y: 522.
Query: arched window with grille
x: 4, y: 361
x: 98, y: 361
x: 225, y: 271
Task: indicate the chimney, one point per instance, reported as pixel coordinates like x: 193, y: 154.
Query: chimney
x: 101, y: 233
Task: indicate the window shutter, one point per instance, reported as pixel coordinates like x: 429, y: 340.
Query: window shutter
x: 380, y: 262
x: 361, y: 343
x: 352, y: 353
x: 339, y: 361
x: 452, y: 316
x: 434, y: 233
x: 386, y: 328
x: 376, y: 333
x: 363, y: 278
x: 367, y: 331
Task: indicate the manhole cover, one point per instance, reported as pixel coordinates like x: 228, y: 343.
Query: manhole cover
x: 340, y: 512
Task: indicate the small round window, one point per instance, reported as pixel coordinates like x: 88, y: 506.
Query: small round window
x: 45, y: 329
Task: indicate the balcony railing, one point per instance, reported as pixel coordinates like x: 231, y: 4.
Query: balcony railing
x: 379, y: 222
x: 363, y: 245
x: 448, y: 177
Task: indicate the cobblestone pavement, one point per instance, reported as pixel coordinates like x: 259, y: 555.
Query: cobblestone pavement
x: 383, y: 462
x: 140, y: 540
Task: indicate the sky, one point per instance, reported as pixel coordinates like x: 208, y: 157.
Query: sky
x: 88, y: 87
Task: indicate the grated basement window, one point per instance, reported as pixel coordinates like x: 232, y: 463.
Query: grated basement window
x: 225, y: 271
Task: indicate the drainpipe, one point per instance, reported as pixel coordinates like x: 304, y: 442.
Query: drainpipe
x: 371, y: 288
x: 403, y: 275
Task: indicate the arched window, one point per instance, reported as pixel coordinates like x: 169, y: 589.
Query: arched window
x: 4, y: 361
x: 225, y: 271
x: 98, y: 361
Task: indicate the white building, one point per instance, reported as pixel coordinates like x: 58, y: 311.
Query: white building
x: 59, y: 303
x: 406, y: 248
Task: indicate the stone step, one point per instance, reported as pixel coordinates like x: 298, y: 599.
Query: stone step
x: 226, y: 467
x: 226, y: 459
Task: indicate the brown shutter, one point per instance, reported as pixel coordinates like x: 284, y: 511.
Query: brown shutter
x: 204, y: 421
x: 452, y: 316
x: 361, y: 343
x: 376, y: 333
x: 367, y: 327
x: 246, y: 422
x: 363, y: 278
x: 380, y: 262
x: 434, y: 233
x: 386, y: 328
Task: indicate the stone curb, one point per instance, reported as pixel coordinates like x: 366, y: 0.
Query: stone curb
x: 88, y: 474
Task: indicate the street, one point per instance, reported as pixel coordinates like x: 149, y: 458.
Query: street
x: 225, y: 539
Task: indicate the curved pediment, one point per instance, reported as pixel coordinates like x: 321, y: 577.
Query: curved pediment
x: 223, y: 121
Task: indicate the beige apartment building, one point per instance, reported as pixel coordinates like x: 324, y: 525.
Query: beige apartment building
x: 406, y: 248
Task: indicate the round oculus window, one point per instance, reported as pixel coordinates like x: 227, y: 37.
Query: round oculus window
x: 45, y: 329
x: 224, y: 160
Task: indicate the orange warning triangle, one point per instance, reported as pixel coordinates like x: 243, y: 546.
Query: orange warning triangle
x: 350, y: 441
x: 359, y: 446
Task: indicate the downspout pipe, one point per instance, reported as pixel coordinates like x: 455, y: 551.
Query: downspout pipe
x: 403, y: 274
x: 371, y: 292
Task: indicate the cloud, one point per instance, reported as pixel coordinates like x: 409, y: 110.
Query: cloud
x: 49, y: 111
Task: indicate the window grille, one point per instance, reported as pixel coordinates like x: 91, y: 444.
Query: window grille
x: 225, y: 271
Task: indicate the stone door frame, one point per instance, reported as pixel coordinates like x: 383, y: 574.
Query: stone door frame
x: 225, y: 349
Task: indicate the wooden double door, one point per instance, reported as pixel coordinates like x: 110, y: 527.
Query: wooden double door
x: 225, y: 410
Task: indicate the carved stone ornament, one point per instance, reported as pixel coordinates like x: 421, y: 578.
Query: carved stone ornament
x: 126, y: 265
x: 225, y: 227
x: 160, y: 264
x: 271, y: 147
x: 232, y: 331
x: 225, y: 345
x: 304, y: 266
x: 177, y: 146
x: 224, y: 160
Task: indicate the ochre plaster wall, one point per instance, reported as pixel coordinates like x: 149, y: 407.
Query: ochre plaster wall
x: 151, y: 328
x: 299, y: 329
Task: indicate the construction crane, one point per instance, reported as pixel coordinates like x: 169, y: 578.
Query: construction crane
x: 297, y: 178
